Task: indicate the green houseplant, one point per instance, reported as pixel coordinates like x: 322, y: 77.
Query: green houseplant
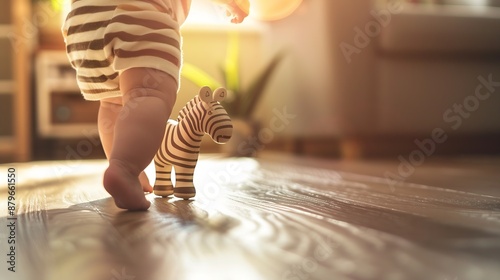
x: 242, y: 101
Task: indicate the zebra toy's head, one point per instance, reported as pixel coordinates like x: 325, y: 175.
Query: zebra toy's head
x: 215, y: 120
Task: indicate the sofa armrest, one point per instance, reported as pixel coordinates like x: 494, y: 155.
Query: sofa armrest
x: 443, y: 29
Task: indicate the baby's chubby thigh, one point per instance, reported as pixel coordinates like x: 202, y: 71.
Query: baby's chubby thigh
x: 141, y: 83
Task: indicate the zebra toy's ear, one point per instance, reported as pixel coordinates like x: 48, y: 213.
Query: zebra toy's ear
x: 206, y: 94
x: 220, y: 94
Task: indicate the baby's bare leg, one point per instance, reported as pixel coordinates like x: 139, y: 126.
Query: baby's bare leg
x: 148, y: 98
x: 109, y: 110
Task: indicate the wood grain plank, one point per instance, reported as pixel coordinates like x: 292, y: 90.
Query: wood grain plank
x: 251, y: 219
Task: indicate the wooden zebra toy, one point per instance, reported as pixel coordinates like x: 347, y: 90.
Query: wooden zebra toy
x: 181, y: 144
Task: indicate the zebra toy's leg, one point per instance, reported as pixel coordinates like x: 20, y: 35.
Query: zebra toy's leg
x: 184, y: 186
x: 163, y: 184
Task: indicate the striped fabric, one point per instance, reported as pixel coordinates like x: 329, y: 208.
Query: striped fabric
x: 104, y: 38
x: 181, y: 144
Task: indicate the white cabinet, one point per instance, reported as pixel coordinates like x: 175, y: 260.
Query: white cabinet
x: 62, y: 112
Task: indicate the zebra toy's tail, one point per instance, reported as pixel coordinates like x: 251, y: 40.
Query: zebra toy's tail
x: 181, y: 145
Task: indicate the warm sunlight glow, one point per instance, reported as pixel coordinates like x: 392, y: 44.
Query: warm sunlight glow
x: 272, y: 9
x: 204, y: 12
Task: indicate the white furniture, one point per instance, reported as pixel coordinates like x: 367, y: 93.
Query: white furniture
x: 62, y: 112
x: 425, y: 60
x: 364, y: 70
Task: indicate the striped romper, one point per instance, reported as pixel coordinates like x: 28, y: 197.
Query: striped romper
x: 106, y: 37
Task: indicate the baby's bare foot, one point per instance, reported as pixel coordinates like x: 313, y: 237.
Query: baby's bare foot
x: 124, y: 187
x: 146, y: 186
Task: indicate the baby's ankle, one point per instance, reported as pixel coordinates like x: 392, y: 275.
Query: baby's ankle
x: 124, y: 166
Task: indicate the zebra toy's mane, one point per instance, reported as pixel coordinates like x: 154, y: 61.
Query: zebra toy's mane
x: 185, y: 110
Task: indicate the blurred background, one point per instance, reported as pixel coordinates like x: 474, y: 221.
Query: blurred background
x: 343, y: 78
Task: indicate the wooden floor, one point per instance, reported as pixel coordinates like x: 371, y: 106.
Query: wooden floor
x: 276, y: 217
